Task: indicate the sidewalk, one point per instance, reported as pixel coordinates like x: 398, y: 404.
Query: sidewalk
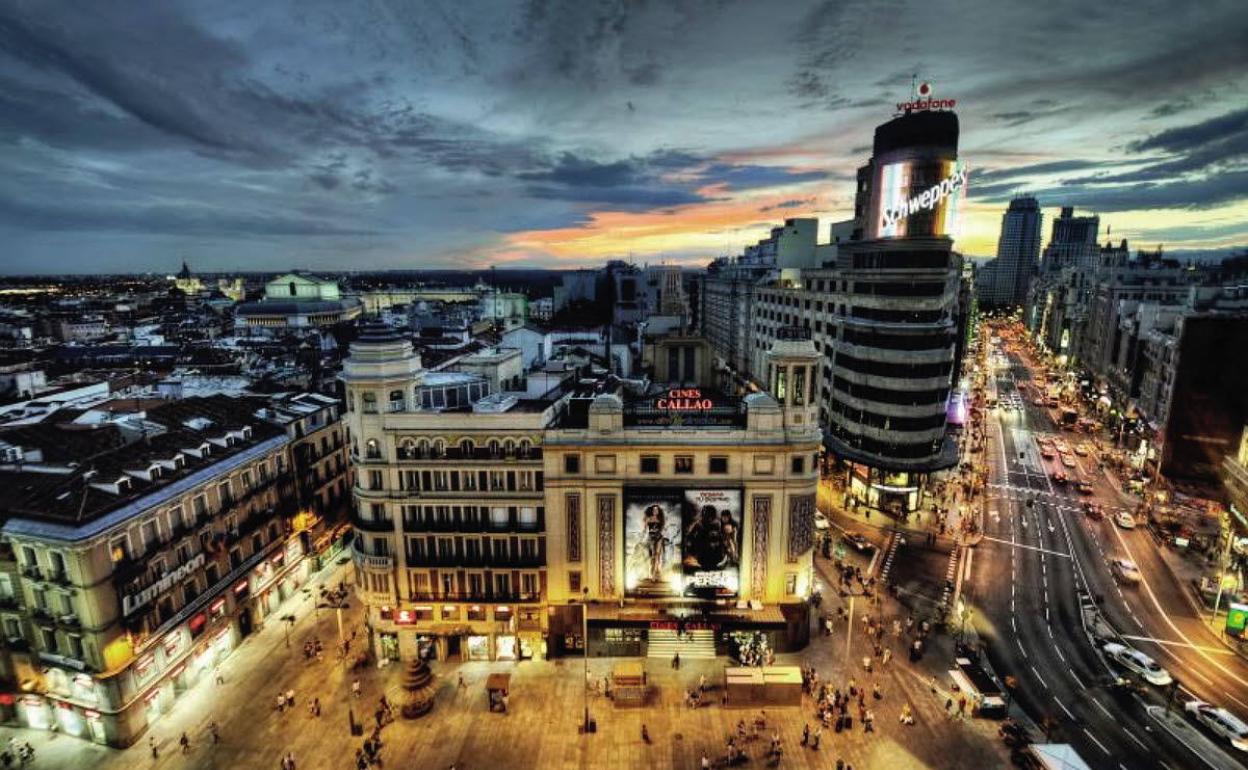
x: 1187, y: 572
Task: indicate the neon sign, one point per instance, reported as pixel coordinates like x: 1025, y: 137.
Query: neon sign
x: 927, y: 200
x: 683, y: 400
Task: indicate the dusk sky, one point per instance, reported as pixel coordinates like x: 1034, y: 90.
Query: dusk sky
x: 383, y: 134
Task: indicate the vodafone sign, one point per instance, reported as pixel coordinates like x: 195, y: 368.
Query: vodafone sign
x: 923, y: 101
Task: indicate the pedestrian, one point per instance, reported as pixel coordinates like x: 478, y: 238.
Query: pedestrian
x: 281, y: 702
x: 462, y: 685
x: 290, y: 698
x: 645, y: 734
x: 949, y: 707
x: 962, y: 706
x: 875, y: 691
x: 212, y: 728
x: 805, y: 734
x: 676, y: 661
x: 315, y: 707
x: 702, y: 683
x: 907, y: 716
x: 185, y: 743
x: 814, y: 739
x: 151, y: 744
x: 886, y: 656
x: 706, y: 762
x: 355, y: 688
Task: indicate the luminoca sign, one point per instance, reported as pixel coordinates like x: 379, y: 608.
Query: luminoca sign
x: 925, y: 201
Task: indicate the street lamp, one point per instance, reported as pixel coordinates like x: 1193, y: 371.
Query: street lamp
x: 585, y: 657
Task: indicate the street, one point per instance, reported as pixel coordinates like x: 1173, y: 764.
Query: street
x: 1061, y: 595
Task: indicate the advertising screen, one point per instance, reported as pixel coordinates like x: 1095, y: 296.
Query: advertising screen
x: 918, y: 198
x: 682, y: 542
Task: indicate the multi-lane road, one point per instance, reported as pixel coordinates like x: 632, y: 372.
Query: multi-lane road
x: 1040, y: 582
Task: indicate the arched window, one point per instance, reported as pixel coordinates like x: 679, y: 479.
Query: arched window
x: 396, y: 401
x: 525, y: 447
x: 509, y: 447
x: 467, y: 447
x: 372, y: 449
x: 407, y: 449
x: 370, y: 402
x: 422, y: 449
x: 494, y: 448
x: 439, y: 448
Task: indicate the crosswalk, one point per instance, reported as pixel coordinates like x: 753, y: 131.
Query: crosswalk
x: 1058, y: 501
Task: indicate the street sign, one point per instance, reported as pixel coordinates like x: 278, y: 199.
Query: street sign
x: 1236, y: 619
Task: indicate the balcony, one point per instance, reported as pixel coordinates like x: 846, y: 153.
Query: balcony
x: 372, y: 561
x: 481, y: 560
x: 484, y: 597
x: 483, y: 454
x: 32, y: 571
x: 372, y: 525
x: 473, y: 526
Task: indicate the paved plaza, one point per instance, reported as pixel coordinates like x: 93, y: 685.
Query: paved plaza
x: 541, y: 727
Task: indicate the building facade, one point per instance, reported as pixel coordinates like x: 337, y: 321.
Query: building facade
x: 465, y: 549
x: 140, y: 575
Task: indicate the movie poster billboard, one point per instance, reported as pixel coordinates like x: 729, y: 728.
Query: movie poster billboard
x: 711, y: 546
x: 683, y: 543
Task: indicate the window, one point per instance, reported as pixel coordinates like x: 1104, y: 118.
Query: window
x: 650, y: 464
x: 604, y: 463
x: 200, y: 503
x: 682, y: 464
x: 790, y: 584
x: 148, y: 531
x: 48, y: 639
x: 571, y: 463
x: 718, y: 465
x: 369, y: 405
x: 574, y: 582
x: 798, y: 464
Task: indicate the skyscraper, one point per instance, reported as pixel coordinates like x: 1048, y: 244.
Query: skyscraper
x: 1018, y: 252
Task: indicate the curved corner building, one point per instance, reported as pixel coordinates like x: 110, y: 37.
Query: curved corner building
x: 895, y: 355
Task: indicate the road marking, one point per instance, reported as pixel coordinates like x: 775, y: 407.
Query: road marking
x: 1237, y: 700
x: 1058, y: 650
x: 1063, y: 705
x: 1037, y: 673
x: 1028, y: 547
x: 1154, y: 640
x: 1097, y: 703
x: 1131, y: 735
x: 1149, y: 590
x: 1079, y: 681
x: 1094, y: 740
x: 1020, y: 647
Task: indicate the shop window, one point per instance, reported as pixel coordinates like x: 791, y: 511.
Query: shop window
x: 650, y: 464
x: 718, y: 465
x: 450, y: 612
x: 475, y: 612
x: 682, y: 464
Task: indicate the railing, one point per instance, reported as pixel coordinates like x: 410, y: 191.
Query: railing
x: 475, y: 560
x: 473, y: 526
x: 372, y: 525
x: 483, y: 596
x: 372, y: 560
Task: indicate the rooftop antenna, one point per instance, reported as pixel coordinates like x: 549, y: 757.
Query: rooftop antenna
x: 914, y: 86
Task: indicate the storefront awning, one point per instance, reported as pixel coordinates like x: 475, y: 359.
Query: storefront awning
x: 767, y: 614
x: 446, y: 629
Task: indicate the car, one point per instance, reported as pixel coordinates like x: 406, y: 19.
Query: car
x: 821, y: 521
x: 1069, y: 461
x: 1059, y: 477
x: 1138, y: 663
x: 1094, y: 511
x: 1084, y: 486
x: 1053, y: 402
x: 1047, y: 452
x: 1124, y: 519
x: 858, y: 542
x: 1037, y: 401
x: 1081, y: 450
x: 1220, y: 722
x: 1124, y: 571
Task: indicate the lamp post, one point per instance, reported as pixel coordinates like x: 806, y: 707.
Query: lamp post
x: 585, y: 656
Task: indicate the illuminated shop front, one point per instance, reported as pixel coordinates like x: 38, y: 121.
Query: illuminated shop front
x: 890, y: 491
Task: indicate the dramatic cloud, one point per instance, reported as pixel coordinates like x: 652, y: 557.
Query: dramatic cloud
x: 447, y: 132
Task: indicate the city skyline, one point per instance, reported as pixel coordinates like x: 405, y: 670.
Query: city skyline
x: 561, y: 135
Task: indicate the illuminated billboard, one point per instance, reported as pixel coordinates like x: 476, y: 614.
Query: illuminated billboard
x: 682, y: 542
x: 918, y: 198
